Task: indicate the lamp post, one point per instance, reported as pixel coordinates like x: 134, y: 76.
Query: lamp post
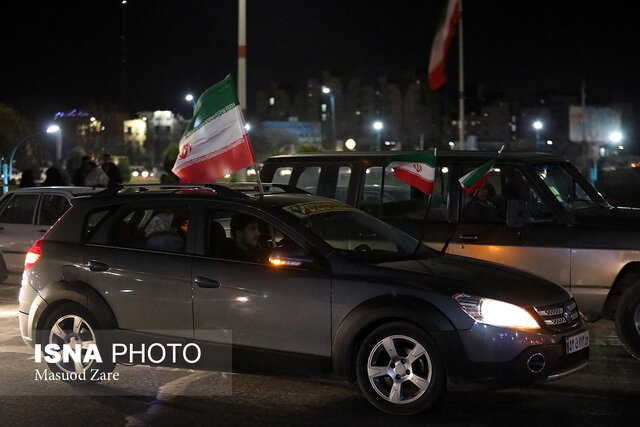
x: 537, y: 125
x: 8, y: 173
x: 191, y: 99
x: 327, y: 90
x: 378, y: 126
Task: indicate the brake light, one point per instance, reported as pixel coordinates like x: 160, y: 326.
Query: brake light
x: 33, y: 255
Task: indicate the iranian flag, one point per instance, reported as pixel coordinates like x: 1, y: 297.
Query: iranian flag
x: 477, y: 177
x: 446, y: 30
x: 416, y: 170
x: 215, y: 142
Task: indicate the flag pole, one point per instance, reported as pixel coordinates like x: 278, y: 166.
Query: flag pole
x: 426, y: 213
x: 460, y: 82
x: 464, y: 210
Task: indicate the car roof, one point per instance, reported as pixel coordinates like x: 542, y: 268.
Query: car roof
x: 208, y: 192
x: 516, y: 157
x: 71, y: 190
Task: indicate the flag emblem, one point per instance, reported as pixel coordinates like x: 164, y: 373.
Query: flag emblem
x: 215, y: 142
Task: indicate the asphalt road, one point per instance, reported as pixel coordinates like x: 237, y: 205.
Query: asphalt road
x: 606, y: 393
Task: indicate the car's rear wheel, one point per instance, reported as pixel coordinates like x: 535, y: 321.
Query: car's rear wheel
x: 71, y: 324
x: 400, y: 370
x: 628, y: 319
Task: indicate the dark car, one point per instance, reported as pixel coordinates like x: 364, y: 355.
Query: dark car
x: 303, y: 285
x: 537, y: 213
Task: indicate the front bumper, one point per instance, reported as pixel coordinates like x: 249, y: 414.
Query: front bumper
x: 490, y: 357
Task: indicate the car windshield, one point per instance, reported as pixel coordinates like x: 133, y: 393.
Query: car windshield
x: 569, y: 187
x: 354, y: 233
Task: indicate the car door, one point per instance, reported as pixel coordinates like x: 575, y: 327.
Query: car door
x: 261, y: 306
x: 17, y: 229
x: 135, y: 260
x: 486, y: 230
x: 50, y: 209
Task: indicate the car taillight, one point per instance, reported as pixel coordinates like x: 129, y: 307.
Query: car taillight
x: 33, y: 255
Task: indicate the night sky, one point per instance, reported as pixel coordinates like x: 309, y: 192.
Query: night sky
x: 67, y: 54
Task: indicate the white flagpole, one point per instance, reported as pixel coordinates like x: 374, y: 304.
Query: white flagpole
x: 461, y: 82
x: 242, y: 55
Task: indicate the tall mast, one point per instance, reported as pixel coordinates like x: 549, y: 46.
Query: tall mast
x: 460, y: 82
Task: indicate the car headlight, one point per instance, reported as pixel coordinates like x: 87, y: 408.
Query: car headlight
x: 496, y: 313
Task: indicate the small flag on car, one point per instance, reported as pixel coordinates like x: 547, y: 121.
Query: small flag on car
x: 215, y: 143
x: 417, y: 170
x: 478, y: 176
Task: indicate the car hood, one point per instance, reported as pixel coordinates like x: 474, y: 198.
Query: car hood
x: 455, y: 274
x: 618, y: 218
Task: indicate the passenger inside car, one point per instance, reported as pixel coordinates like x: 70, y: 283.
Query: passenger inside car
x: 482, y: 207
x: 245, y: 239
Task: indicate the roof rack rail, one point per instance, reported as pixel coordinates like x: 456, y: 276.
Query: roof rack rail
x: 220, y: 189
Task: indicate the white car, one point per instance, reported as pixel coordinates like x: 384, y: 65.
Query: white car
x: 26, y: 214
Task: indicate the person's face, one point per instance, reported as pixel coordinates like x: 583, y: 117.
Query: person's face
x: 248, y: 237
x: 184, y: 226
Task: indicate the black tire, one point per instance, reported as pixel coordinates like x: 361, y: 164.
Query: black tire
x: 628, y: 319
x: 412, y: 380
x: 72, y: 323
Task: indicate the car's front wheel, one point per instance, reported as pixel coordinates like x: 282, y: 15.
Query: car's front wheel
x: 628, y: 319
x: 72, y: 325
x: 400, y: 370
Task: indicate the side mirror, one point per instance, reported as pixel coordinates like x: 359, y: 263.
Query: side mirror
x: 282, y: 257
x: 517, y: 213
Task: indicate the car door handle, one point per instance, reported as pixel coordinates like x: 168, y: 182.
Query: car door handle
x: 44, y: 230
x: 97, y: 266
x: 468, y: 237
x: 205, y: 282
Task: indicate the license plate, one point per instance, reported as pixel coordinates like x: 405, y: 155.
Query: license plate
x: 577, y: 342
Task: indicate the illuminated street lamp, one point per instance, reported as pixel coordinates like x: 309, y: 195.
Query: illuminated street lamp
x: 192, y: 100
x: 327, y: 91
x: 537, y: 125
x: 378, y: 126
x: 615, y: 137
x: 350, y: 144
x: 8, y: 173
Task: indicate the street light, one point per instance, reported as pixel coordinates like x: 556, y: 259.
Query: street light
x: 191, y: 99
x: 327, y: 91
x: 8, y: 173
x: 377, y: 126
x: 615, y: 137
x: 350, y: 144
x: 537, y: 125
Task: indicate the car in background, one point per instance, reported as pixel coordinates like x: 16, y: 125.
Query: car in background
x: 26, y: 214
x: 542, y: 216
x: 327, y: 288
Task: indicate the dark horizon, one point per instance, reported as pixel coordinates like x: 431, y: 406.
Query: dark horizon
x: 63, y: 56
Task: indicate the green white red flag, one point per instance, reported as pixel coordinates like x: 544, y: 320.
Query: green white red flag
x: 477, y: 177
x: 417, y: 170
x: 446, y: 30
x: 215, y: 142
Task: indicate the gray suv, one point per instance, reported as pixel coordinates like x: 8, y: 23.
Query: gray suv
x: 304, y: 284
x: 536, y: 213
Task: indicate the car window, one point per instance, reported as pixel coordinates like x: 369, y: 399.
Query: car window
x: 327, y: 181
x: 400, y: 200
x: 20, y: 209
x: 155, y: 229
x: 564, y: 187
x: 242, y: 237
x: 506, y: 188
x: 308, y: 180
x: 52, y: 207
